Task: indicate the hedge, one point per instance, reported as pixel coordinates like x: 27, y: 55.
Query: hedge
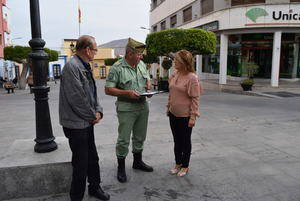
x: 197, y: 41
x: 110, y: 61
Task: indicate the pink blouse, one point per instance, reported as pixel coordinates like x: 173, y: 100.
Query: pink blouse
x: 184, y: 94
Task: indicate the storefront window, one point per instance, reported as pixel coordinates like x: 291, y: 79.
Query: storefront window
x: 286, y: 60
x: 234, y: 60
x: 288, y: 56
x: 211, y: 62
x: 258, y: 48
x: 245, y: 2
x: 298, y: 68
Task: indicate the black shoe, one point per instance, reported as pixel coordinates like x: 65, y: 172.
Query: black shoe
x: 98, y: 193
x: 139, y: 164
x: 121, y: 175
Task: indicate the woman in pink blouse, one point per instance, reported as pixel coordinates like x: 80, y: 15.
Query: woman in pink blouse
x: 183, y: 108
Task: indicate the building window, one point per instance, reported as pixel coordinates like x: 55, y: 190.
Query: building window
x: 295, y: 0
x: 56, y: 71
x: 243, y: 2
x: 0, y: 39
x: 187, y: 14
x: 154, y: 29
x: 173, y: 21
x: 103, y: 72
x: 154, y: 4
x: 207, y: 6
x: 163, y: 25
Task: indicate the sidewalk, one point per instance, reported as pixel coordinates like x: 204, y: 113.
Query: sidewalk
x: 262, y: 87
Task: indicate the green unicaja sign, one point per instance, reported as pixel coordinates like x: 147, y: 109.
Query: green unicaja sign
x: 255, y: 13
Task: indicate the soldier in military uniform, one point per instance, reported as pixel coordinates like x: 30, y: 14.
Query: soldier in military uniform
x: 127, y: 79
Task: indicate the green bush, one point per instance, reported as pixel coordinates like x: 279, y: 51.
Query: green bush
x: 19, y: 53
x: 197, y: 41
x: 248, y: 82
x: 110, y: 61
x: 150, y: 59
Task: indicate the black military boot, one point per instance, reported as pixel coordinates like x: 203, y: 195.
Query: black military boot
x: 139, y: 164
x: 121, y: 170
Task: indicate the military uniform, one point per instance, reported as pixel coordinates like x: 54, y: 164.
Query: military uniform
x: 127, y: 81
x: 132, y: 113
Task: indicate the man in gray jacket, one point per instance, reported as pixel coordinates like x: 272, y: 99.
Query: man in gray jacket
x: 79, y: 111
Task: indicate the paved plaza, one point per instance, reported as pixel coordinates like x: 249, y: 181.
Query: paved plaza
x: 245, y: 148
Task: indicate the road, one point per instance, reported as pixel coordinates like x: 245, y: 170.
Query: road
x: 245, y: 148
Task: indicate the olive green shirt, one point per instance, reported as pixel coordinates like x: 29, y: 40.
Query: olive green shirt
x: 125, y: 77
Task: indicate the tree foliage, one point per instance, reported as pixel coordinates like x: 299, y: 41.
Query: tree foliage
x: 52, y: 54
x: 16, y: 53
x: 110, y: 61
x: 20, y: 53
x: 197, y: 41
x: 150, y: 59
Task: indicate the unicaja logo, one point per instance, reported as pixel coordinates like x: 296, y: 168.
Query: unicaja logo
x: 291, y: 15
x: 255, y: 13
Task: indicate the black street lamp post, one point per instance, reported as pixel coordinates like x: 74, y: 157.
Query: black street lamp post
x: 39, y: 60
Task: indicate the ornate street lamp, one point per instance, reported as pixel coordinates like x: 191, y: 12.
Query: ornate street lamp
x: 72, y: 48
x: 39, y: 59
x: 145, y: 28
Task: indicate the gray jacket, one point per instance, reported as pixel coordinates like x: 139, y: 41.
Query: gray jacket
x: 78, y: 103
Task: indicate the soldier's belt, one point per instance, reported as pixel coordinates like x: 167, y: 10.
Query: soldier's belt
x: 130, y: 100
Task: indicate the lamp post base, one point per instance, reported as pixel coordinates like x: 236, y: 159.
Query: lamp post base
x: 45, y: 147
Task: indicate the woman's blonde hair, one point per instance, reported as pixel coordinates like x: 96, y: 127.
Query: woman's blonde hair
x: 186, y: 58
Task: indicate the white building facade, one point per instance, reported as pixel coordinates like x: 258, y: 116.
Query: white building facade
x: 264, y: 31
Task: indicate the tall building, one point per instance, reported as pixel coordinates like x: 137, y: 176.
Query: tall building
x: 3, y: 27
x: 119, y: 46
x: 264, y: 31
x: 7, y: 68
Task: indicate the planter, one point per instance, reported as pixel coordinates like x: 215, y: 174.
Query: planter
x: 247, y: 87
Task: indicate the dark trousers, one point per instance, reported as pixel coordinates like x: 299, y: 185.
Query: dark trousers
x: 10, y: 89
x: 30, y: 88
x: 85, y: 160
x: 182, y: 139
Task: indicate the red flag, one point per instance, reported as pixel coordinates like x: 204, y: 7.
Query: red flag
x: 79, y: 15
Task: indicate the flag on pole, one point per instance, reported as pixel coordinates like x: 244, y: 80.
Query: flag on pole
x: 79, y: 15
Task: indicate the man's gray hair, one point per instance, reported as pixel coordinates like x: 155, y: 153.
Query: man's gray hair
x: 84, y: 42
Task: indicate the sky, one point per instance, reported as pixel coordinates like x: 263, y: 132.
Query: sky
x: 106, y: 20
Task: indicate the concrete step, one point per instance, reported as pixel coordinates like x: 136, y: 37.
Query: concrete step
x: 24, y: 173
x: 58, y: 197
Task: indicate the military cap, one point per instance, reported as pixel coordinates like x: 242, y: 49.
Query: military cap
x: 135, y: 45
